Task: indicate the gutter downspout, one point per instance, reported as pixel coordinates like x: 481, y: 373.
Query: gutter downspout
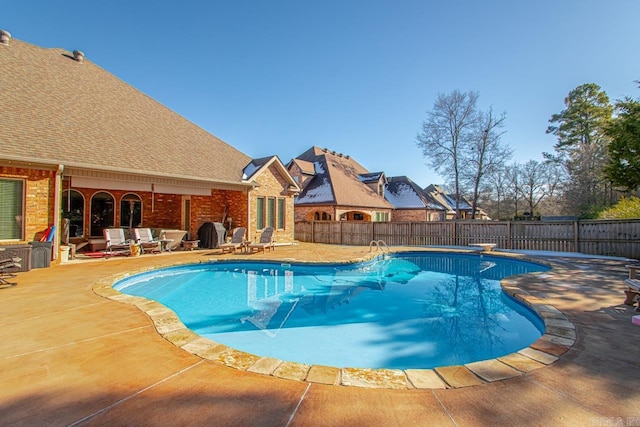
x: 57, y: 202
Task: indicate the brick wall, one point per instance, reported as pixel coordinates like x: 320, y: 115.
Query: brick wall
x: 39, y: 198
x: 212, y: 209
x: 419, y: 215
x: 158, y: 210
x: 307, y: 213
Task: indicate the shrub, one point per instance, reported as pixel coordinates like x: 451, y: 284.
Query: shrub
x: 624, y: 209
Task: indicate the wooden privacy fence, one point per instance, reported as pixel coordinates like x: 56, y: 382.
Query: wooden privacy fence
x: 599, y: 237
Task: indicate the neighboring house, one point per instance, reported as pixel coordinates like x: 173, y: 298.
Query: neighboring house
x: 449, y: 202
x: 76, y: 142
x: 411, y: 202
x: 335, y: 187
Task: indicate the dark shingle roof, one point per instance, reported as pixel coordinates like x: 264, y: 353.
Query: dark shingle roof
x: 448, y: 200
x: 403, y: 193
x: 78, y: 114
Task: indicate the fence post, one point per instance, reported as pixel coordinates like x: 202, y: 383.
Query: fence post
x: 576, y: 237
x: 373, y: 231
x: 509, y: 237
x: 313, y: 231
x: 341, y: 232
x: 455, y: 232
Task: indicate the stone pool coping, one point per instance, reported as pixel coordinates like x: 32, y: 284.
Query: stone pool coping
x: 559, y: 337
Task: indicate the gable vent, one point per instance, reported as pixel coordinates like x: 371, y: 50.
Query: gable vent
x: 78, y: 56
x: 5, y: 37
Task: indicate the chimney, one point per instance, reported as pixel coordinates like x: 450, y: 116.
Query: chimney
x: 5, y: 37
x: 78, y: 56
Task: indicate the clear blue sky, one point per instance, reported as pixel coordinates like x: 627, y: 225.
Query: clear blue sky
x: 276, y: 77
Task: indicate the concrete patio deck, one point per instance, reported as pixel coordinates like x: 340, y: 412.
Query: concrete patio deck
x: 69, y: 356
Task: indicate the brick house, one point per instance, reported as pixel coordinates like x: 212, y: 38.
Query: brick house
x: 76, y: 142
x: 449, y: 202
x: 412, y: 203
x: 335, y: 187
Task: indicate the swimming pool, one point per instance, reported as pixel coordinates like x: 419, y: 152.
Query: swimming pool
x: 410, y: 310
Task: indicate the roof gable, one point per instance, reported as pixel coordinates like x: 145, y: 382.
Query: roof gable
x: 256, y: 167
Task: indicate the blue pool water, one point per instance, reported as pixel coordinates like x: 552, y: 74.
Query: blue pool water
x: 412, y: 310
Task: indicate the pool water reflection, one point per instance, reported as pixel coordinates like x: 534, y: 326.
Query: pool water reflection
x: 412, y: 310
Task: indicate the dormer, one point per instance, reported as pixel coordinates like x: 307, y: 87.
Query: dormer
x: 375, y: 180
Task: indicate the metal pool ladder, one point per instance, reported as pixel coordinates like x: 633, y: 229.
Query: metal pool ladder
x: 380, y: 245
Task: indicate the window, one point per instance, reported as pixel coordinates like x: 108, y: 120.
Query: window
x: 130, y: 211
x: 73, y: 210
x: 358, y: 217
x: 281, y: 213
x: 270, y: 212
x: 382, y: 216
x: 102, y: 212
x: 11, y: 209
x: 260, y: 213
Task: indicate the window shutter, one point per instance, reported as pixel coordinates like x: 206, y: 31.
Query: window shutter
x: 260, y: 213
x: 11, y: 209
x: 281, y: 213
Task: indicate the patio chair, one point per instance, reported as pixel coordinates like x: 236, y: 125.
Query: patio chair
x: 116, y: 242
x: 7, y: 266
x: 237, y: 240
x: 266, y: 241
x: 145, y: 239
x: 633, y: 286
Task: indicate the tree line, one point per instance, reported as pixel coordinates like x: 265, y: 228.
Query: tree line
x: 595, y: 164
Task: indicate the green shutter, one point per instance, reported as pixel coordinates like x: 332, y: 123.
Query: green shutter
x: 11, y: 205
x: 281, y: 213
x: 260, y: 213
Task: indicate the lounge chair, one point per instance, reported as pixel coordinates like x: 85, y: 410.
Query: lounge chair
x: 173, y: 238
x: 116, y: 242
x: 146, y: 240
x: 266, y: 241
x: 237, y: 240
x: 7, y: 265
x: 633, y: 286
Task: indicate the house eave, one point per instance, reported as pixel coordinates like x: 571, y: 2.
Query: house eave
x: 109, y: 172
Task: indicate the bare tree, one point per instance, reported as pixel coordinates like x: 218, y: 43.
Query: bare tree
x: 485, y: 154
x: 533, y: 183
x: 447, y: 132
x: 513, y: 178
x: 496, y: 198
